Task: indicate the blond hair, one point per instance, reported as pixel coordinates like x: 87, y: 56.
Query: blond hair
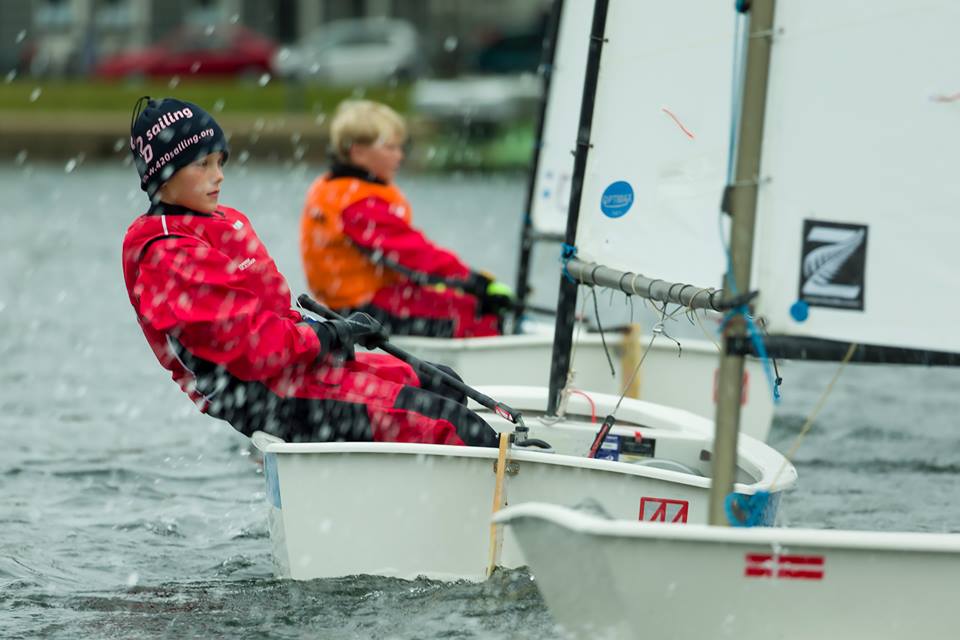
x: 364, y: 122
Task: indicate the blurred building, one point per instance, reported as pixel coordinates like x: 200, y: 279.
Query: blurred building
x: 66, y: 37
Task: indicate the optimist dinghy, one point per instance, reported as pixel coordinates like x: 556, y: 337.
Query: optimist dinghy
x: 408, y: 510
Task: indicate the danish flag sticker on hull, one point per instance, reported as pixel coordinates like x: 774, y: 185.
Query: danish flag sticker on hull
x: 783, y: 567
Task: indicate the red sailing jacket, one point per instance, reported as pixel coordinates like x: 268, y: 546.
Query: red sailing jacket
x: 204, y: 286
x: 210, y: 299
x: 207, y: 281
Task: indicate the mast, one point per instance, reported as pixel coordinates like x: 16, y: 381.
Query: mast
x: 528, y: 234
x: 566, y: 306
x: 743, y: 207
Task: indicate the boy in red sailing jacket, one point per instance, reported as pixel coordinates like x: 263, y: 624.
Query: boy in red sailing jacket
x: 360, y: 252
x: 216, y: 312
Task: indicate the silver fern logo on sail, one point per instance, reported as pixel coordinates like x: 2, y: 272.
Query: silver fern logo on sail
x: 821, y: 265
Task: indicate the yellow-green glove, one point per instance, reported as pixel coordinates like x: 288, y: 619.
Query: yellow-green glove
x: 496, y: 288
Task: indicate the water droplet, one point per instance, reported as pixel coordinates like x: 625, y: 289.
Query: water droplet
x: 21, y: 35
x: 219, y: 105
x: 10, y: 76
x: 208, y: 30
x: 71, y: 165
x: 451, y: 43
x: 21, y: 157
x: 235, y: 18
x: 174, y: 81
x: 243, y: 156
x: 133, y: 579
x: 264, y: 80
x: 195, y: 67
x: 35, y: 94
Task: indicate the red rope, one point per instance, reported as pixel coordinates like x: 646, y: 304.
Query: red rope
x: 593, y: 406
x: 677, y: 120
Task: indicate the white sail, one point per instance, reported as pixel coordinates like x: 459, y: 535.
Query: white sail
x: 660, y: 139
x: 858, y: 211
x: 551, y: 195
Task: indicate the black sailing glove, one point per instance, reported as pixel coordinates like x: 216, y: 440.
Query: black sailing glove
x: 338, y: 337
x: 365, y: 330
x: 493, y: 297
x: 335, y: 338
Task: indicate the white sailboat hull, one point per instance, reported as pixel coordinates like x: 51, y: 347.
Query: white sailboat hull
x: 406, y: 510
x: 617, y: 579
x: 683, y: 379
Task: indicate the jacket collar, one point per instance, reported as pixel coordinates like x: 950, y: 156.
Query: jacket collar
x: 167, y: 209
x: 345, y: 170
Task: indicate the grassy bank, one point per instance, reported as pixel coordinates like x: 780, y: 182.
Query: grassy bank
x: 59, y: 120
x: 221, y: 96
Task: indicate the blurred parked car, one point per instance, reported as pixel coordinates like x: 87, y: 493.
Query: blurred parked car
x: 355, y: 51
x: 515, y: 53
x: 480, y: 99
x: 195, y: 50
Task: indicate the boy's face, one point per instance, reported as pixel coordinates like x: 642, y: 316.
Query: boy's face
x: 197, y: 185
x: 382, y: 158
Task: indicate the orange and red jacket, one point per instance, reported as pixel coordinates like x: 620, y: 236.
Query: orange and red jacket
x: 356, y: 238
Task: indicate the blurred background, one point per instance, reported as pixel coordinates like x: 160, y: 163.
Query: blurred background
x: 272, y: 71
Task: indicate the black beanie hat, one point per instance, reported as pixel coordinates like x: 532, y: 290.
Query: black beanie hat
x: 167, y: 135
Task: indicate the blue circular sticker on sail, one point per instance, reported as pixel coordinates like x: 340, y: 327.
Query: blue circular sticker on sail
x: 800, y: 311
x: 617, y: 199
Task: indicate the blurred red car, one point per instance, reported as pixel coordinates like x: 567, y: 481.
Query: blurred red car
x: 194, y: 50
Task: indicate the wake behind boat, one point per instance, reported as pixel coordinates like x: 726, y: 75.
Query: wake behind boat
x: 406, y: 510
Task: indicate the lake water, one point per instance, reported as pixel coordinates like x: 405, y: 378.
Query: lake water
x: 124, y: 513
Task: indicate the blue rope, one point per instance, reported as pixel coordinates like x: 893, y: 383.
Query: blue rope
x: 757, y: 339
x: 567, y: 253
x: 739, y: 67
x: 753, y: 506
